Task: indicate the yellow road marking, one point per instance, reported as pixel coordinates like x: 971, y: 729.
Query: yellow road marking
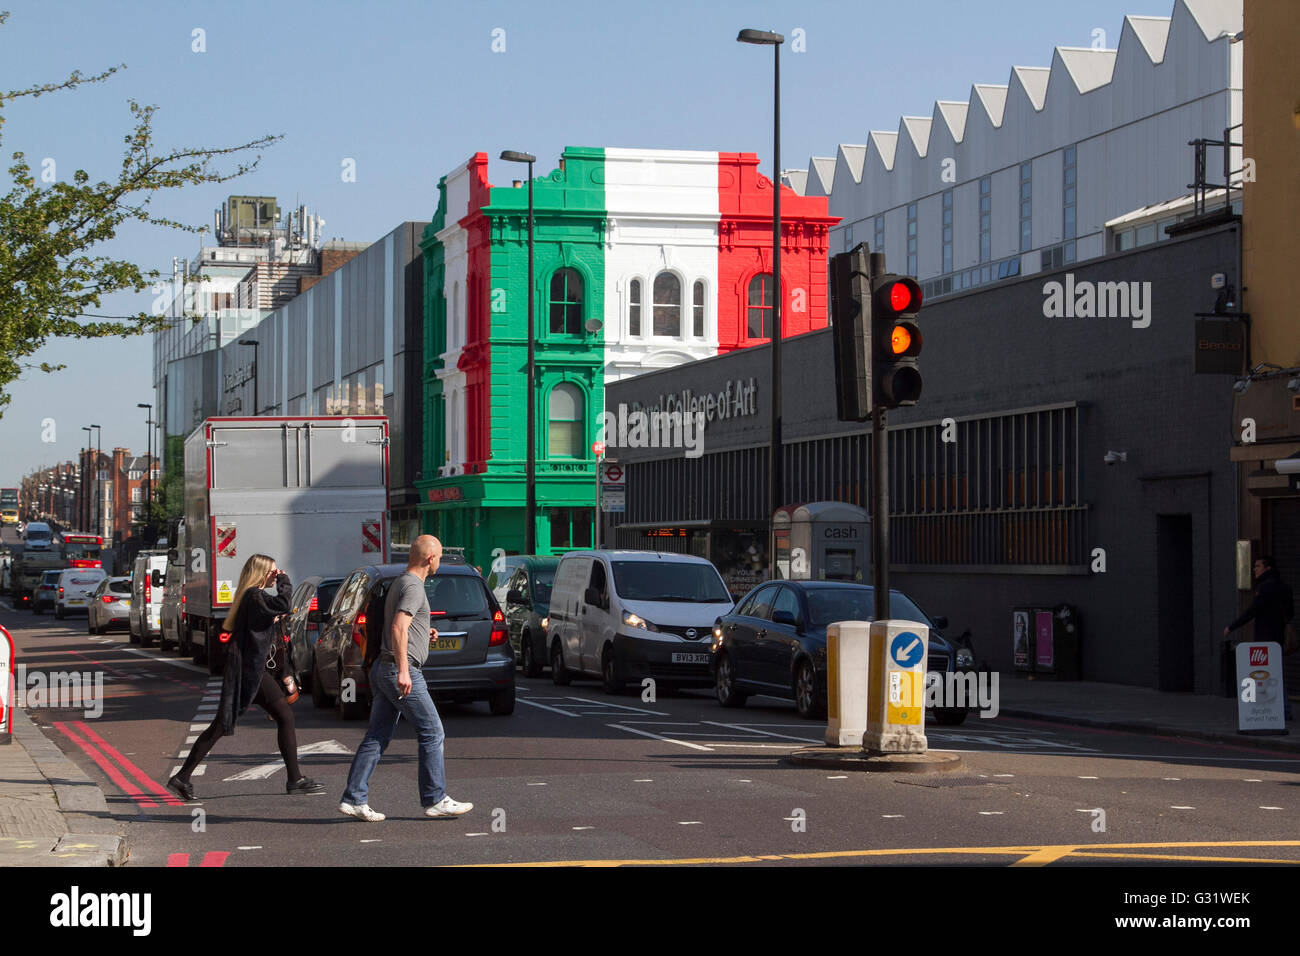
x: 1177, y: 856
x: 1030, y: 855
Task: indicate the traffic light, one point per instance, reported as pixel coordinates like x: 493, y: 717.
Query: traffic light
x: 851, y: 333
x: 895, y: 340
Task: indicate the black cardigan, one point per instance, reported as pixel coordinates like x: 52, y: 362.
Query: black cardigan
x: 250, y: 644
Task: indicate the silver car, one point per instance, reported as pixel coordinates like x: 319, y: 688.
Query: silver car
x: 110, y: 605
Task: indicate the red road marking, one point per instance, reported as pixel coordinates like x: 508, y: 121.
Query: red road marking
x: 215, y: 858
x: 178, y: 859
x: 126, y: 786
x: 135, y: 771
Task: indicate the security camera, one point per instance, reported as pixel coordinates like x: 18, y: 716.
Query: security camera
x: 1114, y: 456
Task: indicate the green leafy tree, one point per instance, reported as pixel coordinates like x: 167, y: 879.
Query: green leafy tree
x: 50, y: 274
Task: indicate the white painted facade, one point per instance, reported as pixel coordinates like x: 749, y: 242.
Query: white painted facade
x: 663, y: 217
x: 455, y: 243
x: 1129, y: 112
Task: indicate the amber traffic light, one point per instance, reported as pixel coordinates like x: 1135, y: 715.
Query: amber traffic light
x: 896, y: 341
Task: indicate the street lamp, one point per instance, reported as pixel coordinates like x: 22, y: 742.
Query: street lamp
x: 84, y: 504
x: 253, y: 343
x: 148, y: 464
x: 530, y: 467
x: 99, y: 505
x: 774, y: 457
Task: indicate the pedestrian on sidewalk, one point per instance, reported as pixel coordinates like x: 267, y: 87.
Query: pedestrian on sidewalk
x: 252, y: 624
x: 397, y: 689
x: 1271, y: 609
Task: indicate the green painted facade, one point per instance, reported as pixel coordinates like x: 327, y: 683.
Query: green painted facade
x: 485, y: 511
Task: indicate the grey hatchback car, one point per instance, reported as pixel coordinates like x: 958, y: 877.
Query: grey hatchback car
x: 470, y: 658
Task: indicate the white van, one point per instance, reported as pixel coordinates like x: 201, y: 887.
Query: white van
x: 76, y: 590
x: 147, y: 577
x: 629, y: 615
x: 38, y: 536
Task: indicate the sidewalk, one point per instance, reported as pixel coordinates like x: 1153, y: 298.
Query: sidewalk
x: 51, y: 813
x: 1134, y: 710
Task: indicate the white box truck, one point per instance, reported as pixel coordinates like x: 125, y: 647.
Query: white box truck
x: 310, y: 492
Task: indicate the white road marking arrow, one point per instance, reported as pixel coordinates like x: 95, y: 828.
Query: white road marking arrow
x: 262, y: 771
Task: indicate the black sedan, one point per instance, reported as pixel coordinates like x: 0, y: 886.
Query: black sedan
x: 528, y: 606
x: 774, y: 642
x: 470, y: 659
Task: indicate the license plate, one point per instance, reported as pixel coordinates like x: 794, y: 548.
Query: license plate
x: 446, y: 643
x: 76, y: 601
x: 690, y: 658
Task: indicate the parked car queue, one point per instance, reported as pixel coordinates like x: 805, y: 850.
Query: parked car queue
x: 616, y: 616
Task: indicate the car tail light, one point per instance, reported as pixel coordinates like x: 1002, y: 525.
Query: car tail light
x: 148, y: 592
x: 497, y: 615
x: 500, y: 634
x: 107, y: 599
x: 182, y: 600
x: 357, y: 637
x: 224, y: 637
x: 314, y: 606
x: 60, y: 590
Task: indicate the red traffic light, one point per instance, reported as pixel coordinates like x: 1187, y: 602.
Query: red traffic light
x: 902, y: 296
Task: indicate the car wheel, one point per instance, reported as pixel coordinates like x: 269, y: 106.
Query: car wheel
x: 528, y: 657
x: 725, y: 683
x: 950, y: 716
x: 560, y: 675
x: 609, y: 672
x: 183, y: 642
x: 502, y: 703
x: 319, y: 698
x: 58, y: 612
x: 134, y: 634
x: 89, y: 628
x: 146, y: 639
x: 805, y: 692
x: 200, y: 650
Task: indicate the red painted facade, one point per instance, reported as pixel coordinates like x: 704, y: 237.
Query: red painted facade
x: 475, y: 360
x: 745, y: 251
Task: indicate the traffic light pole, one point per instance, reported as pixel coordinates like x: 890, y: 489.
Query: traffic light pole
x: 879, y: 487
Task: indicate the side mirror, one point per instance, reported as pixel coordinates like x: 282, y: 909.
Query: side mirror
x: 173, y: 556
x: 941, y: 622
x: 515, y: 596
x: 784, y: 617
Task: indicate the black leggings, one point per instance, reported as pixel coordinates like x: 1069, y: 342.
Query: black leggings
x: 270, y: 698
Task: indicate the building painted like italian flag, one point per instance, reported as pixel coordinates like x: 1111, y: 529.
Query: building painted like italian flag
x: 644, y: 259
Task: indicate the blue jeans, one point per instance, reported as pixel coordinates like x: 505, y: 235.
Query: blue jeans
x: 417, y: 707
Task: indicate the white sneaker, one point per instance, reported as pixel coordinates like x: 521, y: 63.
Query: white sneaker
x: 447, y: 807
x: 362, y: 812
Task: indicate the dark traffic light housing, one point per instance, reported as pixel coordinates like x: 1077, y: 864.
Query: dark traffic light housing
x: 895, y: 340
x: 851, y: 333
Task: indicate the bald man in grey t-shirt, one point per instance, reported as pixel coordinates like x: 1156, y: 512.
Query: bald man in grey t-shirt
x: 398, y: 690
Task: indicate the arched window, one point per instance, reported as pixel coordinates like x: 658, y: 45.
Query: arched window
x: 566, y: 302
x: 760, y: 306
x: 564, y: 435
x: 634, y: 307
x: 454, y: 337
x: 697, y: 309
x: 668, y: 305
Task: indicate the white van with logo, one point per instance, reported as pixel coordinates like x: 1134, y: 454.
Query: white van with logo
x: 628, y: 615
x: 76, y: 590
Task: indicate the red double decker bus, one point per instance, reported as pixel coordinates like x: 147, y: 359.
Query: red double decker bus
x: 83, y: 550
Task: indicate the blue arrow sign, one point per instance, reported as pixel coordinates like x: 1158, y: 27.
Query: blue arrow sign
x: 907, y: 649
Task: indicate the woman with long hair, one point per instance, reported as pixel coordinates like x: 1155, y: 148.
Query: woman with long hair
x: 251, y: 622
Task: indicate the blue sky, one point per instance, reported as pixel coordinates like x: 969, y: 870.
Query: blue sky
x: 409, y: 90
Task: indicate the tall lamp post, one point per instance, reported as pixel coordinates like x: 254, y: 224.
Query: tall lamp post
x: 83, y: 505
x: 530, y: 468
x: 774, y: 458
x: 148, y: 464
x: 253, y: 343
x: 99, y: 503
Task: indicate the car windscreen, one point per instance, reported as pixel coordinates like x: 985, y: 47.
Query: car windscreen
x: 669, y: 581
x: 828, y: 605
x: 543, y: 581
x: 456, y: 595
